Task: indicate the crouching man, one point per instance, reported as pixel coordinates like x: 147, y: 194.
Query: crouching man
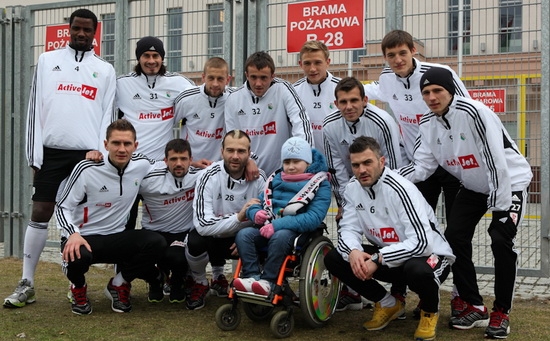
x: 92, y: 214
x: 407, y: 246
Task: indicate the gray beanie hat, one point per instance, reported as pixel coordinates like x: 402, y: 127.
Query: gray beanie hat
x: 296, y: 148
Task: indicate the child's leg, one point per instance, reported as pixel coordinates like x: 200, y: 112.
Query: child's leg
x: 279, y: 246
x: 248, y: 241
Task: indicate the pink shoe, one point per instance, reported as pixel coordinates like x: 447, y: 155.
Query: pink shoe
x: 243, y: 284
x: 261, y: 287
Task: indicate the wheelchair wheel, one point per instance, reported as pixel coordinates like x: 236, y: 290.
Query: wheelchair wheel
x: 318, y: 288
x: 257, y: 312
x: 282, y: 324
x: 228, y: 318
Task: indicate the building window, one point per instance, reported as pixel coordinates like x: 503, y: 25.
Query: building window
x: 510, y: 26
x: 174, y: 39
x: 453, y: 27
x: 108, y: 37
x: 357, y: 54
x: 215, y: 30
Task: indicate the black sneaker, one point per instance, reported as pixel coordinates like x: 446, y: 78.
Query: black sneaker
x: 119, y: 296
x: 348, y: 300
x: 188, y: 286
x: 197, y: 299
x: 177, y: 293
x: 80, y: 303
x: 499, y: 325
x: 156, y: 292
x: 469, y: 318
x: 220, y: 286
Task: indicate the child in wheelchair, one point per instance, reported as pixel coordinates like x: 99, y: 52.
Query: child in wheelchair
x: 295, y: 200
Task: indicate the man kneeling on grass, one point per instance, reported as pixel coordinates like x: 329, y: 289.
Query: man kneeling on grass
x: 92, y: 214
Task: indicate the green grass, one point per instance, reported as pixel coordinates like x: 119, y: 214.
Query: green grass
x: 50, y: 318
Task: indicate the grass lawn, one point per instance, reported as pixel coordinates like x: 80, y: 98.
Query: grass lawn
x: 50, y: 318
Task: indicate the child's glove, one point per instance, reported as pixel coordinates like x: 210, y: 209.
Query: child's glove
x: 267, y: 231
x: 260, y: 217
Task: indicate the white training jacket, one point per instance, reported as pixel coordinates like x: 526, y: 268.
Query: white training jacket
x: 393, y: 215
x: 218, y: 199
x: 98, y: 196
x: 168, y: 201
x: 471, y: 143
x: 318, y: 100
x: 405, y: 99
x: 339, y: 135
x: 150, y: 108
x: 203, y: 122
x: 70, y: 104
x: 269, y: 120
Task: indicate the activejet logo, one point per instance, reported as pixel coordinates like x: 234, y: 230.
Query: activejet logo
x: 389, y: 235
x: 215, y: 135
x: 187, y: 196
x: 466, y: 162
x: 164, y: 114
x: 410, y: 120
x: 268, y: 129
x: 85, y: 91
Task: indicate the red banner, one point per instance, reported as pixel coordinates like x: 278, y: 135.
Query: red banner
x: 58, y: 36
x: 337, y: 23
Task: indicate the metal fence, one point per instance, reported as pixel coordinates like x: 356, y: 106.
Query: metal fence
x: 494, y: 45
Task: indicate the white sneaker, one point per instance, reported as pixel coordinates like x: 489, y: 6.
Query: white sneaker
x: 243, y: 284
x: 261, y: 287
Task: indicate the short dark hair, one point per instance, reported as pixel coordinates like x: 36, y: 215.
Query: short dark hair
x: 178, y: 146
x: 363, y: 143
x: 347, y: 84
x: 86, y: 14
x: 236, y: 134
x: 260, y: 60
x: 395, y: 38
x: 121, y: 125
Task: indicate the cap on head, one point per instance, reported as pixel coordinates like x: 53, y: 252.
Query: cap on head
x: 149, y: 44
x: 438, y: 76
x: 296, y: 148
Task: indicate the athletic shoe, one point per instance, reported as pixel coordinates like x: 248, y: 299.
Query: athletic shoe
x: 166, y: 288
x: 243, y: 284
x: 156, y: 292
x: 119, y: 296
x: 188, y: 286
x: 197, y: 299
x: 381, y: 317
x: 220, y: 286
x: 80, y: 304
x: 401, y: 299
x: 348, y: 300
x: 499, y: 325
x: 458, y: 305
x: 261, y: 287
x: 470, y: 318
x: 426, y: 327
x: 177, y: 293
x: 22, y: 295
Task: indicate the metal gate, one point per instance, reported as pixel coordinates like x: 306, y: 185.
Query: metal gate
x: 479, y: 40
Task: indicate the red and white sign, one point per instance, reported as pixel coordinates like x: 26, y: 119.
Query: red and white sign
x: 337, y: 23
x: 495, y: 99
x: 59, y: 36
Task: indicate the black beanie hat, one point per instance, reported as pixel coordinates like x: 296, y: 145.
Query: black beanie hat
x: 149, y: 44
x: 439, y: 76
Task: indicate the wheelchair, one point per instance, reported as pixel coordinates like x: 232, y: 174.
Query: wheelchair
x: 318, y: 290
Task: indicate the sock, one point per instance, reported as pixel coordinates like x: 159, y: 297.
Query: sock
x: 387, y: 301
x: 118, y: 280
x: 454, y: 292
x: 480, y: 307
x: 197, y: 265
x: 35, y: 240
x: 217, y: 271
